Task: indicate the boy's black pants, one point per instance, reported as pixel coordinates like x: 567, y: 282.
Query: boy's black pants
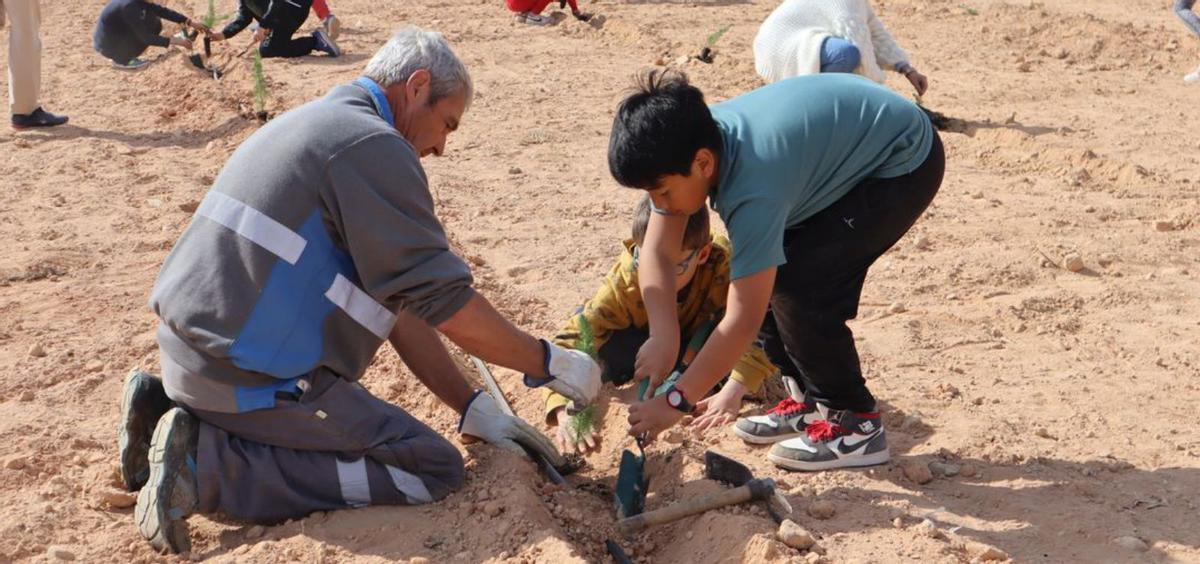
x: 817, y: 291
x: 281, y: 43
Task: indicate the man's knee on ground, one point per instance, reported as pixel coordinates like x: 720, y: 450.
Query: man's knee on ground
x: 441, y: 466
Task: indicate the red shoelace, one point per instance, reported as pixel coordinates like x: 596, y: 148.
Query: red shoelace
x: 787, y: 407
x: 822, y: 430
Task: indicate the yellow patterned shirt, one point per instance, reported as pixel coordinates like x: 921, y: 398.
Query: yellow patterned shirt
x: 618, y: 305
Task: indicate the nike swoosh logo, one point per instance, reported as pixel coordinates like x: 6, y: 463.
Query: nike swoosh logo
x: 844, y: 446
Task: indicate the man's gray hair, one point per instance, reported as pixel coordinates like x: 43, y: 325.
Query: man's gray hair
x: 411, y: 49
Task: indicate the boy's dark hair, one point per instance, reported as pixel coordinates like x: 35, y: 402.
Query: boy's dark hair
x: 695, y: 236
x: 658, y: 129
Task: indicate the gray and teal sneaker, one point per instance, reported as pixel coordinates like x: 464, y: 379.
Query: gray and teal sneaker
x: 170, y: 496
x: 143, y: 402
x: 133, y: 64
x: 845, y: 439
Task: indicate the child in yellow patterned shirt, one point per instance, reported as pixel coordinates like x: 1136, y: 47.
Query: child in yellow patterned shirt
x: 618, y: 324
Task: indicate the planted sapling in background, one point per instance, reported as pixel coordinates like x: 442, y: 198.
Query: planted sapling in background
x: 706, y: 53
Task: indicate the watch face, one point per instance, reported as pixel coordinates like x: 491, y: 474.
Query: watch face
x: 675, y: 398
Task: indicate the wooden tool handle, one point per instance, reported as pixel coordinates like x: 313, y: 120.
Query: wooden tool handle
x: 670, y: 513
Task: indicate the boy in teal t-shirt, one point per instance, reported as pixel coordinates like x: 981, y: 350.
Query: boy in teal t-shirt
x: 815, y: 177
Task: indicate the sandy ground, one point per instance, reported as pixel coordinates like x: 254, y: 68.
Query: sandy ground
x: 1062, y: 398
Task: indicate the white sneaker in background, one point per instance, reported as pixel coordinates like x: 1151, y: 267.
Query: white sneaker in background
x: 534, y: 19
x: 1194, y: 76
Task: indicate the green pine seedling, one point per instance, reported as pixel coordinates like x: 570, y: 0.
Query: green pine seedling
x: 969, y: 10
x: 716, y: 35
x: 583, y: 422
x: 211, y: 19
x: 260, y: 86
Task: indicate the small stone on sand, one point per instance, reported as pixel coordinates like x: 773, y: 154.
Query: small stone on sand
x: 59, y: 553
x: 37, y: 351
x: 256, y: 531
x: 15, y: 463
x: 916, y: 472
x: 1073, y: 262
x: 991, y: 553
x: 821, y: 509
x: 493, y: 508
x: 1163, y: 225
x: 794, y: 535
x: 1131, y: 543
x: 896, y: 307
x: 968, y: 470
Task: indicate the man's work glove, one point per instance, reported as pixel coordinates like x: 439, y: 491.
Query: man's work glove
x: 572, y: 373
x: 484, y: 420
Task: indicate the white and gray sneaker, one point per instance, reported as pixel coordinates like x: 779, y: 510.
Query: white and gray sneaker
x: 786, y: 420
x: 534, y: 19
x: 845, y: 439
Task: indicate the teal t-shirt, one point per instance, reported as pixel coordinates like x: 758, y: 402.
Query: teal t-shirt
x: 795, y: 147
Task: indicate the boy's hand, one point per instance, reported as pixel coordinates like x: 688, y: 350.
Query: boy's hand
x: 216, y: 36
x: 652, y: 417
x: 720, y: 409
x: 180, y: 42
x: 261, y: 34
x: 565, y: 438
x: 656, y: 359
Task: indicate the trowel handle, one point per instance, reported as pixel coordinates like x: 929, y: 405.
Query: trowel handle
x: 754, y: 489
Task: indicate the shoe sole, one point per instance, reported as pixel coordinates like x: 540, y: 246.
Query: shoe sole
x: 335, y: 28
x: 760, y: 440
x: 165, y: 535
x: 134, y: 451
x: 873, y: 459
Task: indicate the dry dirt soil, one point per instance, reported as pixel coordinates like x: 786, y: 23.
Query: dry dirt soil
x: 1062, y: 398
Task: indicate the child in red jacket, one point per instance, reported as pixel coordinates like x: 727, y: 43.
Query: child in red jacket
x: 529, y: 11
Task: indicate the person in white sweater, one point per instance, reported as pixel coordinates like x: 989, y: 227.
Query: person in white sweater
x: 813, y: 36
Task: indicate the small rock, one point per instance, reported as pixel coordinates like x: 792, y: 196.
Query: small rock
x: 60, y: 553
x: 689, y: 535
x: 896, y: 307
x: 794, y: 535
x: 1073, y: 262
x: 37, y: 351
x: 514, y: 170
x: 1164, y: 226
x: 681, y: 60
x: 493, y: 508
x: 482, y: 495
x: 991, y: 553
x: 1043, y: 433
x: 15, y: 463
x: 1105, y: 260
x: 118, y: 499
x: 812, y: 558
x: 821, y: 509
x: 916, y: 472
x: 210, y: 146
x: 27, y: 395
x: 928, y: 529
x: 154, y: 203
x: 94, y: 366
x: 969, y: 470
x: 256, y: 532
x: 944, y: 469
x: 898, y: 523
x: 921, y: 242
x: 1131, y: 543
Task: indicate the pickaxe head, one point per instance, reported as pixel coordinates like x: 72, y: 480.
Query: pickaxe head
x: 726, y: 470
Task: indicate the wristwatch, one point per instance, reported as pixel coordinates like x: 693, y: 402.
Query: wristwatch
x: 676, y: 400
